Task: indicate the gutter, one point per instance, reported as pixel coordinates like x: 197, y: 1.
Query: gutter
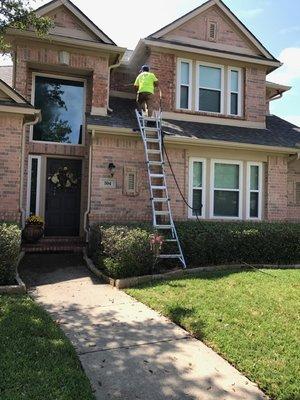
x: 294, y: 157
x: 29, y: 123
x: 89, y: 186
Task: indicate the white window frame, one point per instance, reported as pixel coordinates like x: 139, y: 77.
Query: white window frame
x: 212, y: 188
x: 221, y: 67
x: 191, y: 188
x: 67, y: 78
x: 38, y: 184
x: 179, y: 84
x: 259, y: 191
x: 239, y: 92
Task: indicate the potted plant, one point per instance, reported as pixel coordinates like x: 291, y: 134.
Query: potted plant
x: 34, y: 229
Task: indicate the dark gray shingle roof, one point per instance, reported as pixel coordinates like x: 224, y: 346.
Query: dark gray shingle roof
x: 279, y: 132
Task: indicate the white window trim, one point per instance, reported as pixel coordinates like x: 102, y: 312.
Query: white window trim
x: 179, y: 84
x: 191, y: 164
x: 239, y: 92
x: 212, y: 188
x: 259, y: 191
x: 67, y: 78
x: 38, y: 184
x: 205, y: 64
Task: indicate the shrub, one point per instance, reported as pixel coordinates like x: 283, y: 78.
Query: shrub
x: 121, y: 251
x: 10, y: 240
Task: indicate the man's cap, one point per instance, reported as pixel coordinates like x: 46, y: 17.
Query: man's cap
x: 145, y: 68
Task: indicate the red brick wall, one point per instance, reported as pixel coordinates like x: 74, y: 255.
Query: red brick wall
x: 10, y: 157
x: 276, y: 189
x: 293, y: 179
x: 255, y: 94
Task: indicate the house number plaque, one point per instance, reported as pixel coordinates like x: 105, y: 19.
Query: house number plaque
x: 108, y: 183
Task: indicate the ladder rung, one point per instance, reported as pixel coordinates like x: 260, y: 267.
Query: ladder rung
x: 149, y: 118
x: 160, y: 200
x: 156, y: 162
x: 156, y: 175
x: 170, y: 256
x: 151, y: 151
x: 171, y: 240
x: 162, y: 212
x: 163, y: 226
x: 150, y: 129
x: 158, y: 187
x: 150, y: 140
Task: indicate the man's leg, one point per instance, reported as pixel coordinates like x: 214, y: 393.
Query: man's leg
x: 141, y: 101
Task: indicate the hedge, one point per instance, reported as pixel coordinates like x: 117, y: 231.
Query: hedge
x: 10, y: 241
x: 123, y: 251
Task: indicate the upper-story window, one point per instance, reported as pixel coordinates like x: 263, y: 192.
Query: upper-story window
x: 235, y: 95
x: 210, y: 88
x: 184, y: 91
x: 61, y: 102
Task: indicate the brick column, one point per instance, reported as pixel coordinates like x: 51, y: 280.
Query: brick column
x: 276, y: 189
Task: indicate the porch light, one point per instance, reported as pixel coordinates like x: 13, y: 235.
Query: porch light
x: 112, y: 169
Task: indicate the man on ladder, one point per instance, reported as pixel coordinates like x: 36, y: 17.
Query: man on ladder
x: 145, y: 84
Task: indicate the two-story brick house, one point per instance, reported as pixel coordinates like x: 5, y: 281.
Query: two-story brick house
x: 229, y: 155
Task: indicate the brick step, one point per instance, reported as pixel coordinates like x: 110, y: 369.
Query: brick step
x: 55, y: 245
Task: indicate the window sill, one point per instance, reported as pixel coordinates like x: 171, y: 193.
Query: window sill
x: 209, y: 114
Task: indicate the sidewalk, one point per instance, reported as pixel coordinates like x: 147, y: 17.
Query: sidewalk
x: 129, y: 351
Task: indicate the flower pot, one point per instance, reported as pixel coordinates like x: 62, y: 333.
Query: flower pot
x: 33, y: 233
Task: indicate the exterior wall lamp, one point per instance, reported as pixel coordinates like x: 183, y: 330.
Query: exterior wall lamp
x: 112, y: 169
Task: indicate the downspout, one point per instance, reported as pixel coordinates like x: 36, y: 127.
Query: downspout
x: 276, y: 96
x: 21, y: 209
x: 109, y: 72
x: 89, y: 187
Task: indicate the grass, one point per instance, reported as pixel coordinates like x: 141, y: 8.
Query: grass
x: 252, y: 319
x: 36, y: 360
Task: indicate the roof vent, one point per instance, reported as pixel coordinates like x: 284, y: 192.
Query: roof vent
x: 212, y: 31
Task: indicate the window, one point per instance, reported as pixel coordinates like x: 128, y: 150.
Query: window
x: 234, y: 93
x: 197, y: 187
x: 33, y: 194
x: 254, y: 195
x: 226, y: 189
x: 61, y: 102
x: 184, y: 87
x: 210, y: 88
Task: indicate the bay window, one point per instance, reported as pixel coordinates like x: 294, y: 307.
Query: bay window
x: 226, y: 188
x: 254, y: 190
x: 184, y: 84
x: 197, y: 186
x: 210, y: 88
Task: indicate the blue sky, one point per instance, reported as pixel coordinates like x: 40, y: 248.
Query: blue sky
x: 276, y: 23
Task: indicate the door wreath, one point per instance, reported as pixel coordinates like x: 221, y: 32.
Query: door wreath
x: 63, y: 178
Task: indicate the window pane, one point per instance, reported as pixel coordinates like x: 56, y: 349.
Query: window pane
x: 234, y: 81
x: 33, y: 191
x: 254, y: 205
x: 197, y: 174
x: 254, y: 177
x: 210, y: 77
x: 184, y: 97
x: 209, y: 100
x: 197, y: 202
x: 234, y: 104
x: 227, y: 176
x: 226, y: 204
x: 185, y: 73
x: 61, y: 102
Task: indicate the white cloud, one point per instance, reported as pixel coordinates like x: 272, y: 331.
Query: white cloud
x: 294, y: 119
x: 252, y: 13
x: 290, y: 71
x: 290, y: 29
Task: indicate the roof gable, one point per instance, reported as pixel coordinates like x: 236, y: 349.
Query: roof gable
x: 232, y: 35
x: 8, y: 94
x: 71, y: 22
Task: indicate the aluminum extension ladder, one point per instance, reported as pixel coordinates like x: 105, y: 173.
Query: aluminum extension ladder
x: 160, y: 201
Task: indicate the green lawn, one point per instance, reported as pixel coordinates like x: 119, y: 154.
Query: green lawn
x: 251, y: 318
x: 36, y: 360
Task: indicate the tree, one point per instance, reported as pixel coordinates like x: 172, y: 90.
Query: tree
x: 18, y: 14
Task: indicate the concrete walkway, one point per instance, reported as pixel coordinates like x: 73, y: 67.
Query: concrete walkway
x: 127, y: 350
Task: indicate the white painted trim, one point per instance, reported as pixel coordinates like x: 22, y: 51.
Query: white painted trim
x: 191, y: 166
x: 259, y: 191
x: 70, y: 78
x: 212, y: 188
x: 219, y: 66
x: 179, y: 84
x: 239, y: 92
x: 10, y: 92
x: 38, y: 184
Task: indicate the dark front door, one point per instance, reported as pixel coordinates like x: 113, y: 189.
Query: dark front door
x: 63, y: 193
